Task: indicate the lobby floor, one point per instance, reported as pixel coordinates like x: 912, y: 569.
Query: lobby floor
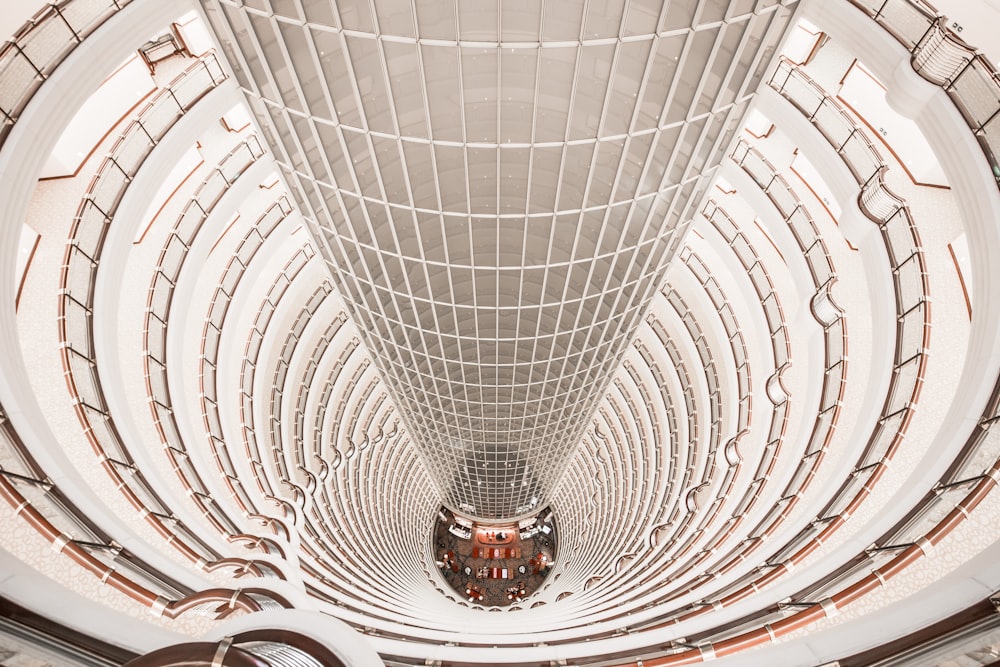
x: 494, y: 562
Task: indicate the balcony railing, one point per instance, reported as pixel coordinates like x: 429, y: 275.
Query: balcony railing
x: 37, y: 49
x: 688, y: 505
x: 830, y: 118
x: 254, y: 448
x: 941, y: 57
x: 711, y: 542
x: 906, y: 259
x: 159, y: 300
x: 71, y: 533
x: 212, y: 332
x: 78, y: 279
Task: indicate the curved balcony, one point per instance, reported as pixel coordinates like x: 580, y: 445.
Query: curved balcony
x: 296, y: 419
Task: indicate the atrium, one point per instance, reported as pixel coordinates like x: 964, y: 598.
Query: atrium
x: 528, y: 333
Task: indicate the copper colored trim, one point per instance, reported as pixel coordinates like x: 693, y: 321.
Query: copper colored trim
x: 23, y: 278
x: 961, y: 280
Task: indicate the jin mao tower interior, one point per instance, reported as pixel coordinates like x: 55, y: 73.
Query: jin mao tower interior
x: 409, y: 332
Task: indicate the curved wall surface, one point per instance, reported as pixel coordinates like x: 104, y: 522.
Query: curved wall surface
x: 711, y: 282
x: 498, y: 191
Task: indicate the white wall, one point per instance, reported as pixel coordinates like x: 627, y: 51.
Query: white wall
x: 123, y: 90
x: 977, y: 23
x: 15, y: 14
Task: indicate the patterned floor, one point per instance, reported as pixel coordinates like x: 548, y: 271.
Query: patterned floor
x: 475, y: 567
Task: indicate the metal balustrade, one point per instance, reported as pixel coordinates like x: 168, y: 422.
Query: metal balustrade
x: 680, y: 369
x: 734, y: 462
x: 923, y: 527
x: 302, y: 459
x: 679, y: 518
x: 906, y: 259
x: 813, y: 248
x: 274, y: 416
x: 212, y: 332
x: 254, y: 648
x: 39, y: 502
x: 28, y: 59
x: 616, y: 477
x: 779, y: 411
x: 759, y: 279
x: 42, y: 506
x: 331, y: 456
x: 281, y: 655
x: 695, y: 489
x: 808, y: 237
x: 609, y: 474
x: 316, y: 540
x: 817, y: 256
x: 225, y: 291
x: 943, y: 58
x: 902, y: 242
x: 77, y: 280
x: 77, y: 283
x: 833, y: 122
x: 158, y: 303
x: 253, y: 348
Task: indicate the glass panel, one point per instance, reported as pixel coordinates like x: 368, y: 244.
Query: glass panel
x: 985, y: 453
x: 211, y: 343
x: 780, y: 345
x: 237, y: 163
x: 782, y: 197
x: 192, y: 86
x: 46, y: 41
x: 249, y: 247
x: 159, y: 294
x: 76, y: 322
x: 885, y: 433
x: 129, y: 152
x: 911, y: 337
x: 906, y: 20
x: 108, y: 187
x: 903, y: 385
x: 16, y: 79
x: 11, y: 459
x: 156, y: 336
x: 169, y: 432
x: 835, y: 126
x: 189, y: 222
x: 85, y: 15
x: 979, y: 92
x: 899, y: 238
x: 172, y: 258
x: 107, y: 439
x: 137, y: 572
x: 142, y: 490
x: 231, y: 278
x: 990, y: 139
x: 209, y: 193
x: 80, y: 276
x: 160, y: 116
x: 158, y: 383
x: 84, y: 380
x: 859, y: 158
x: 761, y: 283
x: 909, y: 284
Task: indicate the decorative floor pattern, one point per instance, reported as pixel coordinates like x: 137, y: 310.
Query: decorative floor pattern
x: 495, y: 566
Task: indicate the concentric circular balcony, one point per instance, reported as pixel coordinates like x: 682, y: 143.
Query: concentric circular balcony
x: 241, y: 374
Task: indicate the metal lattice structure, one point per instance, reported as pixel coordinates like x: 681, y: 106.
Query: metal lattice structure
x: 498, y: 188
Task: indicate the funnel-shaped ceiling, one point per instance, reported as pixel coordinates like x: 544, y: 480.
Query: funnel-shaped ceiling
x: 497, y: 187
